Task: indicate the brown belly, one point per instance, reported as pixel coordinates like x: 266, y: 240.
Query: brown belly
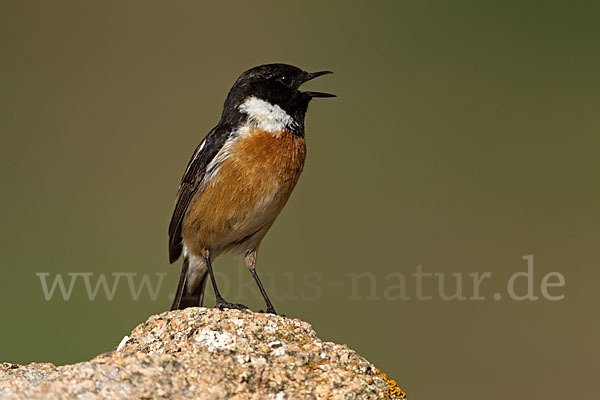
x: 237, y: 206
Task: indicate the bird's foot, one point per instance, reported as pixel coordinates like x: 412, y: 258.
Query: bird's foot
x: 221, y: 304
x: 271, y: 310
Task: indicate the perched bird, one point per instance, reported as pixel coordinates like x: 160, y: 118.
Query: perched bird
x: 240, y: 177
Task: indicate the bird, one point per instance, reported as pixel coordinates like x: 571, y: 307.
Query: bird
x: 240, y: 177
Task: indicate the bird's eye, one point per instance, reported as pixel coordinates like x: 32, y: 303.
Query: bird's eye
x: 285, y: 80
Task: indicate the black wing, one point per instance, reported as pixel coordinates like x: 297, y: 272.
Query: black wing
x: 192, y: 178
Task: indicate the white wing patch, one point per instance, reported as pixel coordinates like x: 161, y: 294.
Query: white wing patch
x: 267, y: 116
x: 222, y: 155
x: 202, y: 145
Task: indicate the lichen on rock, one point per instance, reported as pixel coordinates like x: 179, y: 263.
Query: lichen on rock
x: 209, y: 354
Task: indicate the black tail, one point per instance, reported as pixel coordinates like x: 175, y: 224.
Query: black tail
x: 183, y: 299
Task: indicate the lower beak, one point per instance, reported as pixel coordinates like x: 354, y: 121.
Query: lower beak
x: 314, y: 75
x: 319, y: 94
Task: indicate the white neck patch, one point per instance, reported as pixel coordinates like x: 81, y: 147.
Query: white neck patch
x: 267, y: 116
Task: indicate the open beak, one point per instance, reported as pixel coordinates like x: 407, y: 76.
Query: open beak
x: 314, y: 75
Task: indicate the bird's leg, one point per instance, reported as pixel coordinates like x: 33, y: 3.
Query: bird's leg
x: 221, y: 303
x: 251, y: 264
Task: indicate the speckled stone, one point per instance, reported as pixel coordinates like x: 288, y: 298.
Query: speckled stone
x: 204, y: 353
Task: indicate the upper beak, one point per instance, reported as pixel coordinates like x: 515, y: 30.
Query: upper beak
x: 314, y: 75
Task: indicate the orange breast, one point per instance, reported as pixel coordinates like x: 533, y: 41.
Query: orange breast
x: 247, y: 192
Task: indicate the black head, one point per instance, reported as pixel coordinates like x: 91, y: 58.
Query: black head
x: 276, y: 84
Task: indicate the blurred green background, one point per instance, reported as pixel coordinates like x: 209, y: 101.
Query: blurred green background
x: 465, y: 136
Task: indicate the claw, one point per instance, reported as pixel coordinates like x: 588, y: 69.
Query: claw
x: 221, y: 304
x: 271, y: 311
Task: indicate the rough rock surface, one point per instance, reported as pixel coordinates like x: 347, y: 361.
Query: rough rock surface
x: 209, y: 354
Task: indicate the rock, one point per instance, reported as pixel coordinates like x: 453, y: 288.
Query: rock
x: 207, y: 353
